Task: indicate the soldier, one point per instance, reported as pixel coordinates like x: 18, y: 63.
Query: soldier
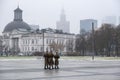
x: 51, y: 62
x: 56, y: 56
x: 46, y: 60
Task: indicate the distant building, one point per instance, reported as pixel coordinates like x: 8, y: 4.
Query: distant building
x: 119, y: 20
x: 16, y: 25
x: 110, y: 20
x: 63, y: 24
x: 1, y: 44
x: 86, y: 25
x: 18, y: 37
x: 32, y: 42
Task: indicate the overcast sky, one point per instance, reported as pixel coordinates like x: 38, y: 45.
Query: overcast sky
x: 45, y: 13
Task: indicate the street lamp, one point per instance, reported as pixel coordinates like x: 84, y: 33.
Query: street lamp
x: 93, y: 41
x: 43, y: 31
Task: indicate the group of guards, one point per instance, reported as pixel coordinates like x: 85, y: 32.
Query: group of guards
x: 51, y: 60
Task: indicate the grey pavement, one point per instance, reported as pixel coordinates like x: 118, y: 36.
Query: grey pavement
x: 69, y: 70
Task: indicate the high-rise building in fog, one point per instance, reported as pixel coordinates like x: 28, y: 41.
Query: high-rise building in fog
x: 63, y: 24
x: 110, y: 20
x: 119, y: 20
x: 86, y: 25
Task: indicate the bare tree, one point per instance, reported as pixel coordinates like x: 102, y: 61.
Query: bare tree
x: 69, y: 45
x: 57, y: 46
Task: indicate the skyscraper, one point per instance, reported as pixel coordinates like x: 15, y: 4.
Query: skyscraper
x: 86, y: 25
x: 119, y: 20
x: 110, y: 20
x: 63, y: 24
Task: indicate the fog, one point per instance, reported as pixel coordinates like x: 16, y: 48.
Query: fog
x: 45, y: 13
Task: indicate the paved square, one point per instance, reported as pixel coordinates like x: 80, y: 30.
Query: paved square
x: 69, y: 70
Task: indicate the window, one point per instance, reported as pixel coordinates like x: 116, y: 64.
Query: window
x: 41, y: 49
x: 26, y: 41
x: 36, y: 41
x: 28, y: 48
x: 47, y: 41
x: 23, y: 41
x: 32, y: 48
x: 23, y: 49
x: 32, y: 41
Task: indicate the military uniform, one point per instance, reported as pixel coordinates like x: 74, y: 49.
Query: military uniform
x: 56, y: 60
x: 46, y: 60
x: 51, y: 62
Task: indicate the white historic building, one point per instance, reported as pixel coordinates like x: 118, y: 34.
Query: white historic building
x: 19, y: 37
x: 32, y: 41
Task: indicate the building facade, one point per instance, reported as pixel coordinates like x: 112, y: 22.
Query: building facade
x: 86, y: 25
x: 63, y: 24
x: 18, y: 38
x: 30, y: 42
x: 1, y: 44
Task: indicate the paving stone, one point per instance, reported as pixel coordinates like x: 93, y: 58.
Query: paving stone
x: 69, y: 70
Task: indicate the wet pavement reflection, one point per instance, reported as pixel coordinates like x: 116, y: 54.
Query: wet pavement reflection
x: 69, y: 70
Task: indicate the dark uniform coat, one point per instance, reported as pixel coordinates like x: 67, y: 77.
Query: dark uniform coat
x: 56, y: 59
x: 46, y: 58
x: 50, y: 57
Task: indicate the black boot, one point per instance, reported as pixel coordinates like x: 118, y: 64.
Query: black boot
x: 57, y: 67
x: 45, y: 68
x: 52, y: 67
x: 49, y: 68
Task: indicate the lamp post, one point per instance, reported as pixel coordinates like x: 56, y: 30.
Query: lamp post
x: 43, y: 39
x: 93, y: 41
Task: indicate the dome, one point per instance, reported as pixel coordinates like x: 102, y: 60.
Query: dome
x: 16, y: 25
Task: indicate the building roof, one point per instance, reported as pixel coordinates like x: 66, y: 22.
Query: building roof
x: 16, y: 25
x: 57, y: 31
x: 18, y: 10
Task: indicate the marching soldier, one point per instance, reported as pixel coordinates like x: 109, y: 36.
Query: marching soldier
x: 46, y: 60
x: 51, y: 62
x: 56, y: 56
